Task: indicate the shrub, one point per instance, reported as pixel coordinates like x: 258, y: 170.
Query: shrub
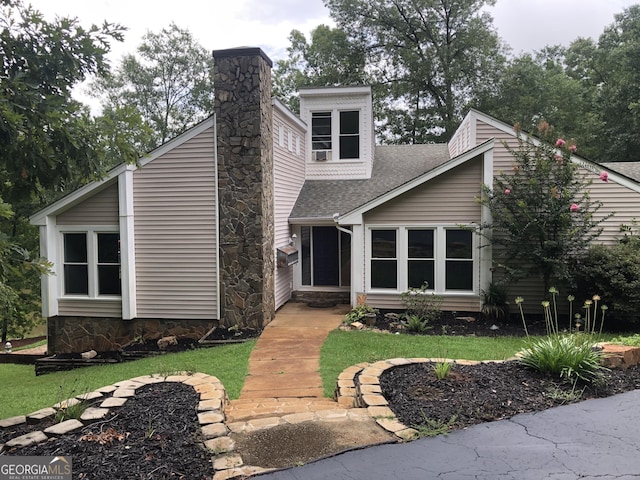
x: 416, y: 324
x: 614, y: 273
x: 442, y: 370
x: 570, y: 356
x: 425, y: 305
x: 494, y: 302
x: 358, y: 313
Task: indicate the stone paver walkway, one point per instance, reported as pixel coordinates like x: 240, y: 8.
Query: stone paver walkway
x: 284, y: 366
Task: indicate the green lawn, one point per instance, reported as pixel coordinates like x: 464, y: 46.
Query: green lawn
x: 343, y: 349
x: 22, y: 392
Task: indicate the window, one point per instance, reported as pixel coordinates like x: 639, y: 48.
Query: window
x: 407, y: 257
x: 92, y: 263
x: 420, y: 258
x: 350, y: 134
x: 384, y: 262
x: 459, y: 260
x: 321, y: 131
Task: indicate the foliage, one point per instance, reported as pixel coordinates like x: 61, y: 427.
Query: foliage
x: 329, y: 58
x: 427, y: 59
x: 23, y: 392
x: 433, y: 428
x: 422, y: 304
x: 357, y: 314
x: 569, y: 356
x: 417, y: 324
x: 442, y: 370
x: 494, y: 302
x: 542, y: 213
x: 630, y: 340
x: 69, y: 407
x: 614, y: 273
x: 169, y: 82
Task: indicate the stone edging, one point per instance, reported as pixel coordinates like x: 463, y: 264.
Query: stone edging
x: 359, y: 386
x: 213, y: 399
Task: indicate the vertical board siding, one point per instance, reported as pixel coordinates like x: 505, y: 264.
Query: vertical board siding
x: 90, y: 308
x: 289, y: 165
x: 100, y: 209
x: 175, y: 232
x: 450, y: 303
x: 447, y: 199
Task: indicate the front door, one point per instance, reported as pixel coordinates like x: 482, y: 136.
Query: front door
x: 326, y: 257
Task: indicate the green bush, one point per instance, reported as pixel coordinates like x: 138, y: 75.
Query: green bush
x: 494, y: 302
x: 357, y: 314
x: 416, y: 324
x: 572, y: 357
x: 613, y: 272
x: 425, y: 305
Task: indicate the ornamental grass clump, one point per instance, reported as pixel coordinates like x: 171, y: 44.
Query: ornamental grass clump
x: 572, y: 356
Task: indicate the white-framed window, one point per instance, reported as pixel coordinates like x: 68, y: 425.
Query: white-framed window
x: 335, y: 135
x: 406, y: 257
x: 90, y: 263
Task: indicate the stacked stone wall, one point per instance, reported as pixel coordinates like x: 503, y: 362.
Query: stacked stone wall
x: 242, y: 82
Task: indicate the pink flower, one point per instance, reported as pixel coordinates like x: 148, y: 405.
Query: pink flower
x: 573, y: 148
x: 560, y: 142
x: 507, y: 191
x: 604, y: 176
x: 574, y: 207
x: 558, y: 158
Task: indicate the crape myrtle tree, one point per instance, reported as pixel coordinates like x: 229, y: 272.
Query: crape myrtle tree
x: 542, y: 213
x: 46, y: 138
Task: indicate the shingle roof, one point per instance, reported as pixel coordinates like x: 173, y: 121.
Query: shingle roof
x: 628, y: 169
x: 393, y: 166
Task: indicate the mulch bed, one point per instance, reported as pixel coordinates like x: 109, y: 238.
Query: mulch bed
x: 155, y: 435
x: 473, y: 394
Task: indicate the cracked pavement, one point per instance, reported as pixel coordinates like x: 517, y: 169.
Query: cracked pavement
x: 594, y: 439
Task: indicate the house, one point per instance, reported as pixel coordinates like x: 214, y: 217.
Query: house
x: 255, y: 206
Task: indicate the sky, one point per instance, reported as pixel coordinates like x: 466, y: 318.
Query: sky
x: 525, y: 25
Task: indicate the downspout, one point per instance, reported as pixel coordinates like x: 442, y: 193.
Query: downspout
x: 336, y: 216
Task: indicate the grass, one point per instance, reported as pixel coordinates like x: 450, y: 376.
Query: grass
x: 31, y: 345
x: 22, y: 392
x: 344, y: 349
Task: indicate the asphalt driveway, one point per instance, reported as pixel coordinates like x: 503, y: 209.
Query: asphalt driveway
x: 594, y: 439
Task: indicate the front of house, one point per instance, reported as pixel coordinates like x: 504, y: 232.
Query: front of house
x: 256, y: 206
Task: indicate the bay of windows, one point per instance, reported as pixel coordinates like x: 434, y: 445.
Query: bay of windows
x: 407, y: 257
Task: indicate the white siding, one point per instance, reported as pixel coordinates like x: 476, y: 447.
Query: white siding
x: 175, y: 232
x: 288, y: 174
x: 100, y: 209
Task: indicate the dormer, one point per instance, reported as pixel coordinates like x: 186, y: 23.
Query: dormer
x: 340, y: 137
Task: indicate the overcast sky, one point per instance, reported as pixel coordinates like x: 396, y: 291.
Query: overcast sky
x: 525, y: 25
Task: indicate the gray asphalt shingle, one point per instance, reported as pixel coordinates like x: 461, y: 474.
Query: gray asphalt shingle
x: 393, y: 166
x: 628, y: 169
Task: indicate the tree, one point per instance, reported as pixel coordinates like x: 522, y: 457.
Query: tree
x: 46, y: 137
x: 330, y: 59
x: 430, y: 59
x: 169, y: 81
x: 542, y: 214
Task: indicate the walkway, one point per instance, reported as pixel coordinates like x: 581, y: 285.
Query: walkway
x: 284, y: 375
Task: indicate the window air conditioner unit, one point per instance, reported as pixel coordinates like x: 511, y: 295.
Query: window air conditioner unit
x: 321, y: 155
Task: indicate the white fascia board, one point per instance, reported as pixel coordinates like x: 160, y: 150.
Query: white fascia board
x: 91, y: 188
x: 354, y: 217
x: 49, y: 282
x: 333, y: 91
x: 282, y: 108
x: 582, y: 162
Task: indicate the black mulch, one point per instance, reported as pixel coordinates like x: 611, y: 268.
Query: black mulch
x: 485, y: 392
x: 155, y: 435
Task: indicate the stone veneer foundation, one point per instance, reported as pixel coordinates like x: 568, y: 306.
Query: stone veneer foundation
x: 242, y: 82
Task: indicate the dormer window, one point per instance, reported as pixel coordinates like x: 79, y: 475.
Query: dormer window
x: 346, y: 135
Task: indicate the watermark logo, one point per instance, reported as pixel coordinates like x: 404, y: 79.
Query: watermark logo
x: 35, y: 468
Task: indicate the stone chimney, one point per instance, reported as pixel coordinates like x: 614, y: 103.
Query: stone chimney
x: 242, y: 82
